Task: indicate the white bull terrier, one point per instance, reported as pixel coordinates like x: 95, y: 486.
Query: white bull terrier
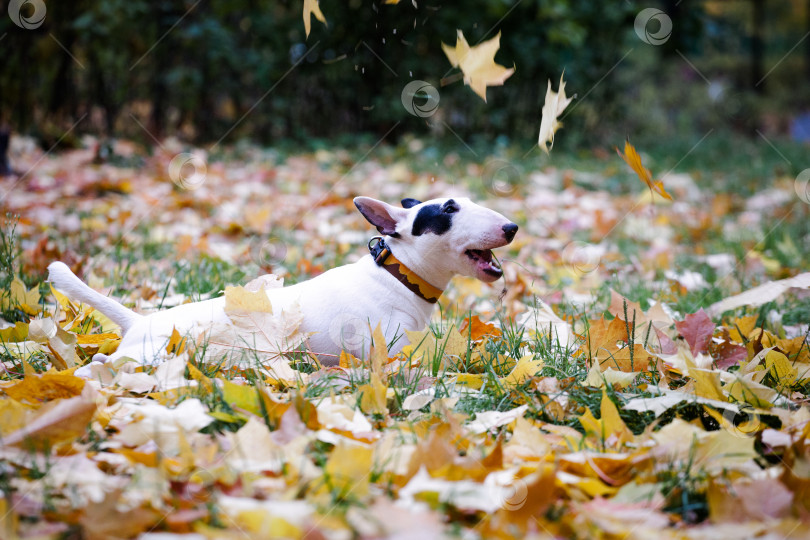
x: 424, y: 244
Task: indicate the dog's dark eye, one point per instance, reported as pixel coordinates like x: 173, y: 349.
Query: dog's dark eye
x: 450, y: 207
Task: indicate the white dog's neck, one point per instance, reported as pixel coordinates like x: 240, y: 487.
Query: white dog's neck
x: 428, y: 266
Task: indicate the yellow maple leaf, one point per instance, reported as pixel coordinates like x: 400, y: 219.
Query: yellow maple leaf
x: 347, y: 360
x: 48, y: 386
x: 13, y: 415
x: 21, y: 297
x: 241, y: 396
x: 781, y: 368
x: 378, y: 354
x: 60, y: 342
x: 610, y: 427
x: 598, y: 378
x: 373, y: 396
x: 426, y: 348
x: 526, y: 368
x: 746, y: 389
x: 238, y: 299
x: 478, y: 63
x: 177, y: 343
x: 257, y: 331
x: 95, y: 339
x: 13, y: 334
x: 311, y: 7
x: 741, y: 328
x: 555, y: 104
x: 348, y: 469
x: 470, y: 380
x: 707, y: 383
x: 56, y: 421
x: 632, y: 158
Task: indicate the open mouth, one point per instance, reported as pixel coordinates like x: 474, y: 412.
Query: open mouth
x: 485, y: 261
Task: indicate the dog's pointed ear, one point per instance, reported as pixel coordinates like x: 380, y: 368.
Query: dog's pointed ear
x: 408, y: 203
x: 383, y: 216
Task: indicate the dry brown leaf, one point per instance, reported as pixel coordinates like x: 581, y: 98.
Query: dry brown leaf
x: 311, y: 7
x: 553, y: 107
x: 57, y: 421
x: 632, y: 158
x: 762, y: 294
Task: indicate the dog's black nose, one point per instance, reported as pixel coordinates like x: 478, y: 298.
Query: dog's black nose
x: 509, y: 231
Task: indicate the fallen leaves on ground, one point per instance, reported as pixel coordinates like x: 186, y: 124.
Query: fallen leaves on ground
x: 576, y: 404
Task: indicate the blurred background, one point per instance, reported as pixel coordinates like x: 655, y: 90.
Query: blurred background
x: 213, y: 70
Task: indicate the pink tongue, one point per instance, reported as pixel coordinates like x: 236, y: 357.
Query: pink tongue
x: 487, y: 265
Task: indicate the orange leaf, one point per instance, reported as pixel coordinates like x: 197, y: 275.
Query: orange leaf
x: 177, y: 343
x: 95, y: 339
x: 632, y: 158
x: 475, y: 329
x: 46, y: 387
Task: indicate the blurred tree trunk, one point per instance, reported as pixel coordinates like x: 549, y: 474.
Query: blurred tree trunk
x: 62, y: 91
x: 165, y: 15
x: 103, y: 91
x: 25, y: 102
x: 5, y: 134
x: 807, y: 42
x: 757, y: 47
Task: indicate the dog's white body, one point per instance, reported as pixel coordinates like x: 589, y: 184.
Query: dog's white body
x: 340, y: 305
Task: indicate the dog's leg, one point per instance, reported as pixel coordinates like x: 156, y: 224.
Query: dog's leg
x: 66, y: 281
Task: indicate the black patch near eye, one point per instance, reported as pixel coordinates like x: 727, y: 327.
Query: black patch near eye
x: 450, y: 206
x: 409, y: 203
x: 432, y: 218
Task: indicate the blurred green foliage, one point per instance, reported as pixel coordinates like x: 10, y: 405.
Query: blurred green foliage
x: 208, y: 70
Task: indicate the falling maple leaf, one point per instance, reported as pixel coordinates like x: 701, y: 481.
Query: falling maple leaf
x: 311, y: 7
x: 632, y: 158
x: 478, y: 63
x: 555, y: 104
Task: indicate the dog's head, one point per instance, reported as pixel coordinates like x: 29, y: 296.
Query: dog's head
x: 452, y: 236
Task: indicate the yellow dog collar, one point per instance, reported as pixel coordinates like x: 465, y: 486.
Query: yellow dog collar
x: 383, y: 257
